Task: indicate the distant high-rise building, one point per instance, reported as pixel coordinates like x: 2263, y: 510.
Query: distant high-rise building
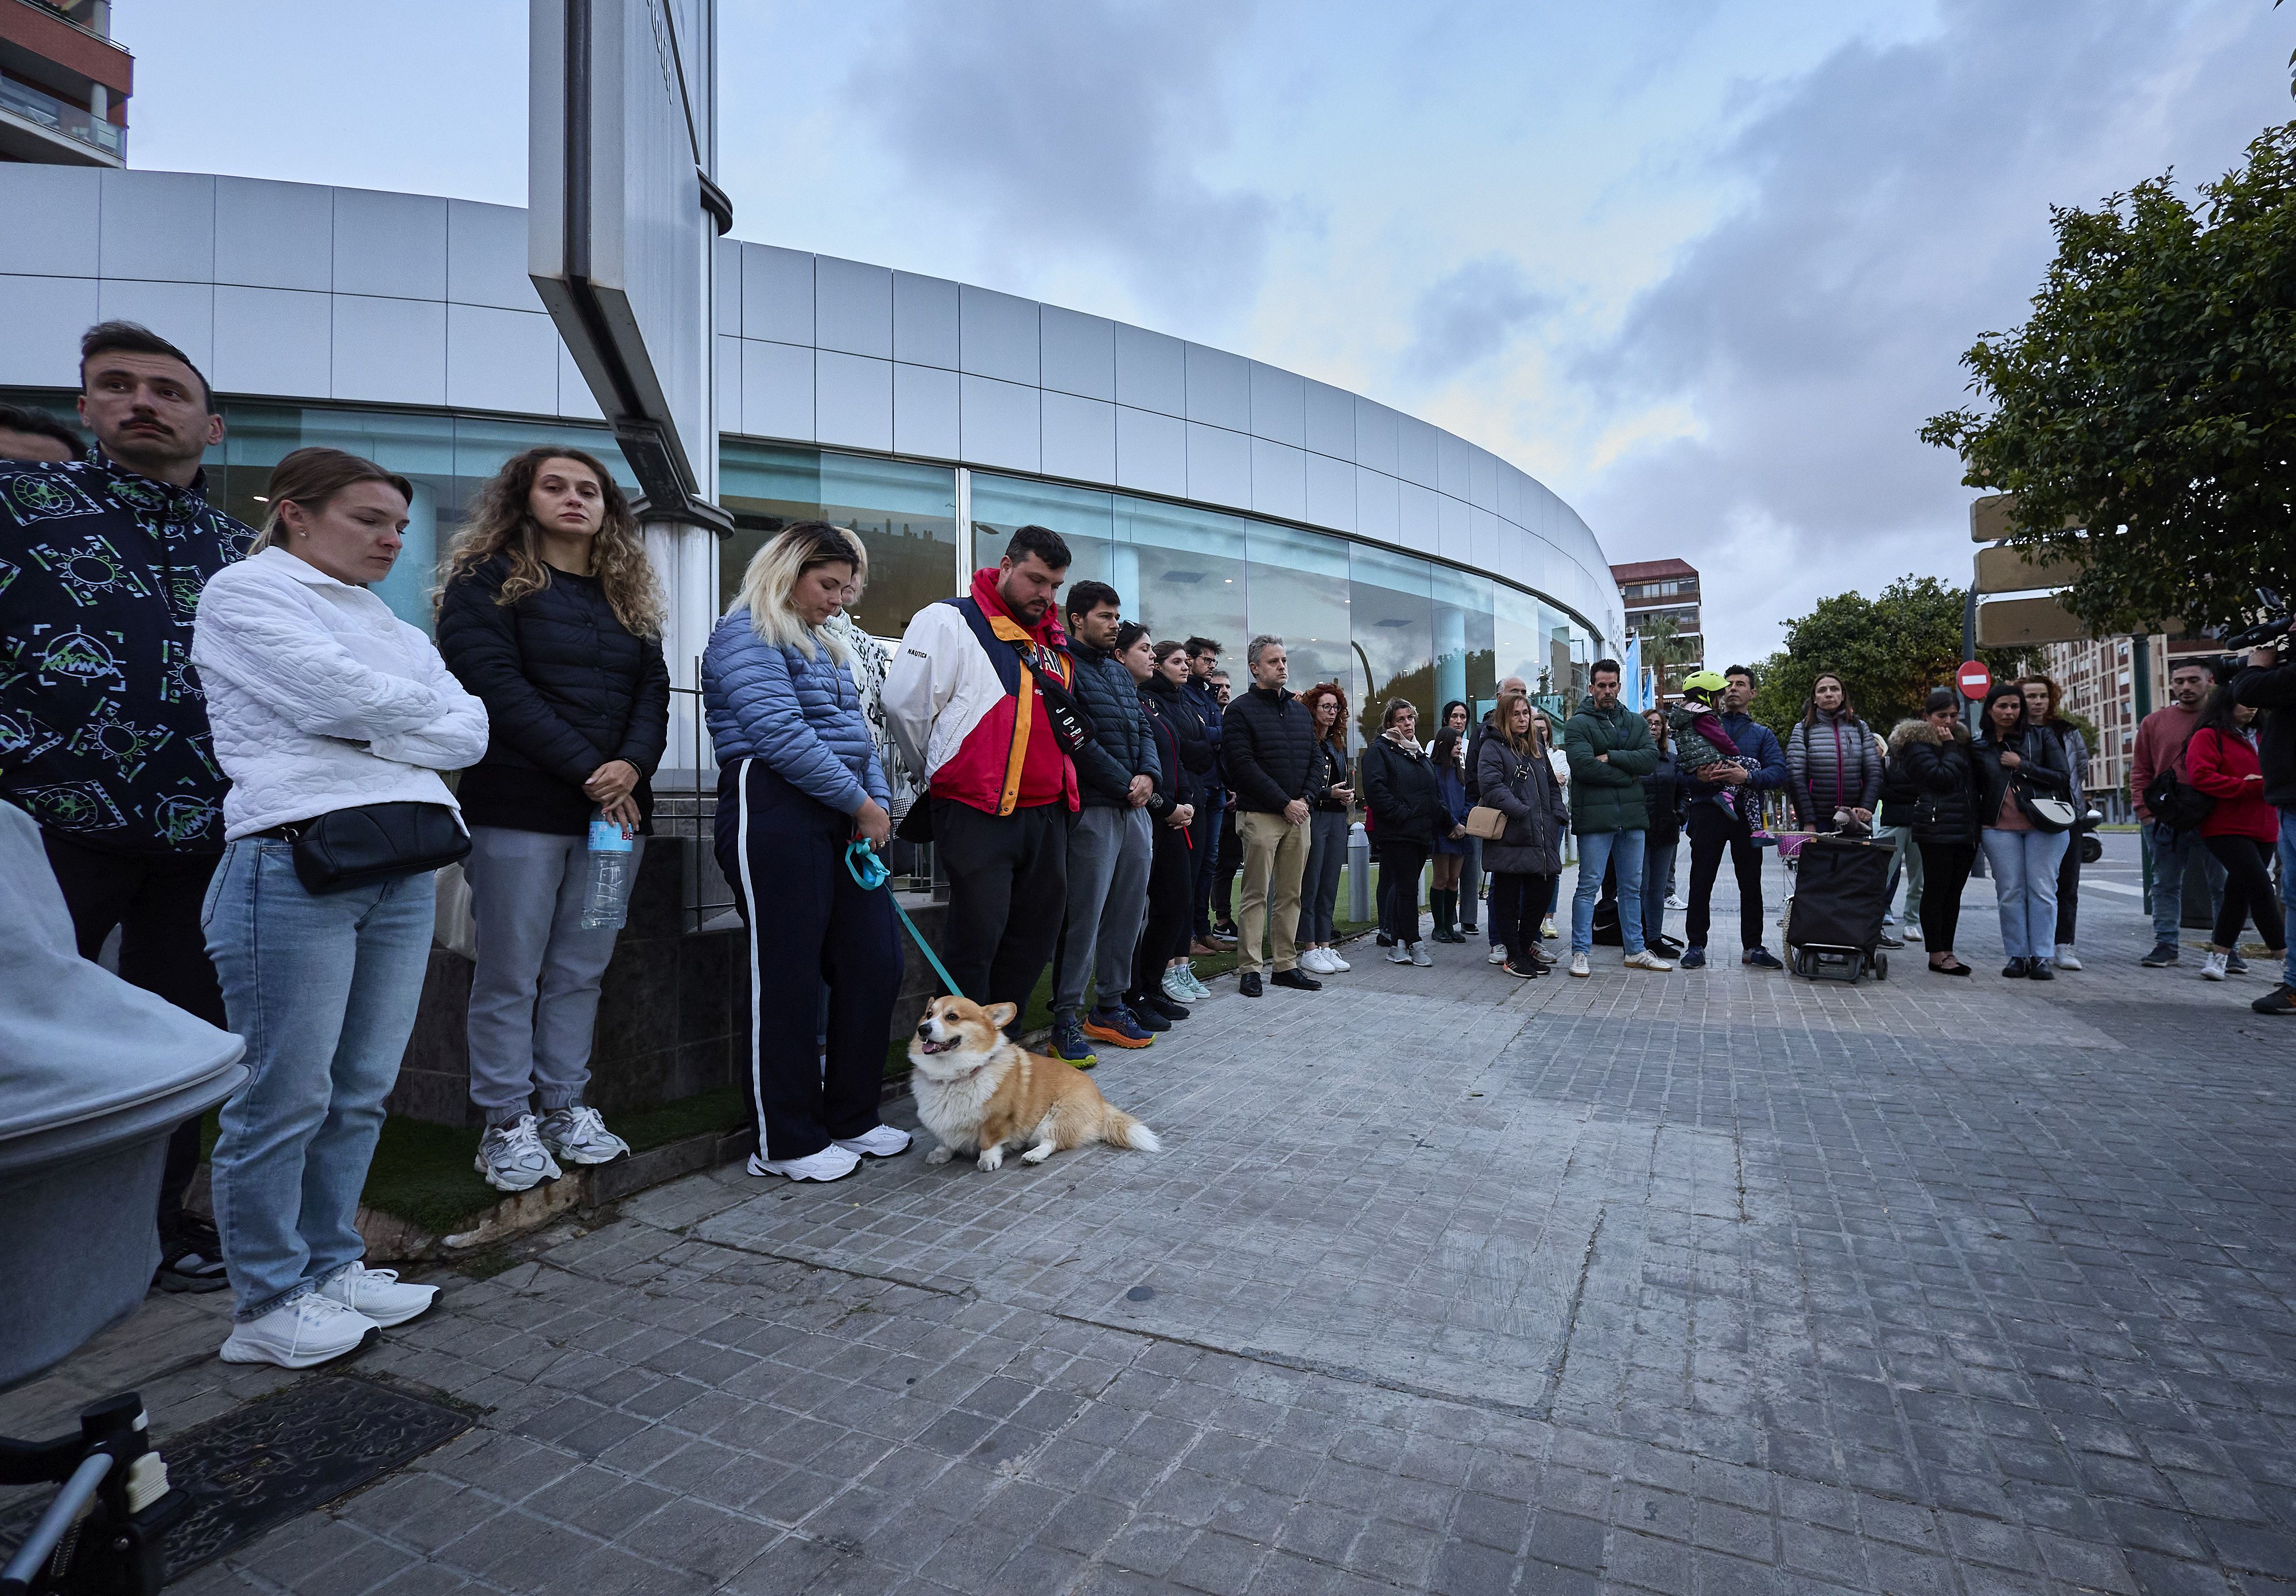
x: 1656, y: 590
x: 63, y: 83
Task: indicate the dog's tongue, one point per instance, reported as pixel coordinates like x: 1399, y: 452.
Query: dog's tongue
x: 938, y: 1047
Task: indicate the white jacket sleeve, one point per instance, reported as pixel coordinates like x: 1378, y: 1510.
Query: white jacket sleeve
x: 918, y: 684
x: 458, y: 738
x: 267, y: 643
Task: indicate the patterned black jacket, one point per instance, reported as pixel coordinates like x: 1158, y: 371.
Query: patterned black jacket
x: 104, y: 729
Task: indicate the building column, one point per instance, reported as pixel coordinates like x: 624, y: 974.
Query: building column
x: 686, y: 560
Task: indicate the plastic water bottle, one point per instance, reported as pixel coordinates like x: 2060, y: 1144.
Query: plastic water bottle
x: 606, y: 900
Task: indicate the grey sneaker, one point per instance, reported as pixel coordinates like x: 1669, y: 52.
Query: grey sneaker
x: 1420, y: 956
x: 578, y: 1135
x: 2235, y: 963
x: 2163, y: 955
x: 512, y: 1158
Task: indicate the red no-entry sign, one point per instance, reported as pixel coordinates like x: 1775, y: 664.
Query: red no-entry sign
x: 1974, y: 679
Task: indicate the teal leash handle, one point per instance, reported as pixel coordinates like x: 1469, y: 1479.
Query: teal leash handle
x: 869, y: 872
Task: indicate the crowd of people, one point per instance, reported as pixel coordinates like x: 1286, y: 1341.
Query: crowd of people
x: 240, y: 760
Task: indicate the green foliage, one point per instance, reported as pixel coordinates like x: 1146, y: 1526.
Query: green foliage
x: 1663, y: 649
x: 2152, y: 398
x: 1889, y: 652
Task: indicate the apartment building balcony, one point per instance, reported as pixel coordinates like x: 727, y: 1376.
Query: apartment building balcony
x: 37, y: 126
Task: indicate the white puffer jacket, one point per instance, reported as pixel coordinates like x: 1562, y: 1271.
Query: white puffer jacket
x: 321, y: 699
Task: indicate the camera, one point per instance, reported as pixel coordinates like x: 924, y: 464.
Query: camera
x: 2278, y: 623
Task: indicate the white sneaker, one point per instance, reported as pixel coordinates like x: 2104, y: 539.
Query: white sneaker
x: 1674, y: 902
x: 1197, y: 991
x: 1645, y: 960
x: 512, y: 1158
x: 1498, y: 956
x: 1420, y: 956
x: 1912, y: 932
x: 1579, y: 965
x: 578, y: 1135
x: 1333, y: 964
x: 2066, y: 958
x: 1547, y: 932
x: 309, y: 1330
x: 878, y: 1142
x: 1400, y: 954
x: 831, y: 1163
x: 1312, y: 961
x: 378, y: 1295
x: 2214, y: 969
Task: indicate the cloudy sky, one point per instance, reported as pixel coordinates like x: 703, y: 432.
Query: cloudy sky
x: 1701, y: 267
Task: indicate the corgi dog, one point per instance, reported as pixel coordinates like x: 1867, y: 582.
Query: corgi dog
x: 979, y: 1092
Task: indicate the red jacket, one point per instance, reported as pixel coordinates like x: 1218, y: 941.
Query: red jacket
x: 2227, y: 770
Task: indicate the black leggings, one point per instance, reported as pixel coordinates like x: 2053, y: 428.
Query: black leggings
x: 2248, y: 892
x: 1945, y: 870
x: 2068, y: 891
x: 1518, y: 902
x: 1399, y: 865
x: 1172, y: 893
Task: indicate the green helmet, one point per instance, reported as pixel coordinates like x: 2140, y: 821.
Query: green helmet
x: 1705, y: 684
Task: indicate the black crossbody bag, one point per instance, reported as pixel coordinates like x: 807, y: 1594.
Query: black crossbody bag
x: 345, y: 849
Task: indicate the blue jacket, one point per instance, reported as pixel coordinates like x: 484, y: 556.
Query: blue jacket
x: 1209, y: 711
x: 1755, y: 741
x: 802, y: 716
x: 1122, y: 746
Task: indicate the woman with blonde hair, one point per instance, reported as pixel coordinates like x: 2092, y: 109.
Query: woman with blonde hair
x: 799, y: 780
x: 550, y: 613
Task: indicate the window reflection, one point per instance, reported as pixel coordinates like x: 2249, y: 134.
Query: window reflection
x: 1393, y: 622
x: 1188, y: 572
x: 905, y: 514
x: 1084, y: 518
x: 1299, y: 592
x: 1465, y: 640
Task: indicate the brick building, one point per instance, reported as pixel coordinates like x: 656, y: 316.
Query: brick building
x: 63, y: 83
x: 1653, y: 589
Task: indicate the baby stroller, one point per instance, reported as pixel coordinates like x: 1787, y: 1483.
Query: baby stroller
x: 1833, y: 919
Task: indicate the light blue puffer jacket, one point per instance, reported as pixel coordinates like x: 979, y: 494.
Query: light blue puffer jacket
x: 802, y: 716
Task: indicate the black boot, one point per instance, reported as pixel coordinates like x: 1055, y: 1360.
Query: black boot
x: 1445, y: 905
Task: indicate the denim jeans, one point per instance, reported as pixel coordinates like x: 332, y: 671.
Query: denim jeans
x: 2025, y: 887
x: 324, y: 991
x: 2288, y: 892
x: 2171, y: 850
x: 1597, y: 850
x: 1657, y: 856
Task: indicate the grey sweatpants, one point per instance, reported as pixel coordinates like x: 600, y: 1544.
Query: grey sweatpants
x: 1109, y: 851
x: 534, y: 995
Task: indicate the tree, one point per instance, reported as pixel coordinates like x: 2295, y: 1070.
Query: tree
x: 1661, y: 638
x: 1888, y: 652
x: 2152, y: 400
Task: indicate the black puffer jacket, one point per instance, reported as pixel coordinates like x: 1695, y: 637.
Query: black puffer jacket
x: 1197, y: 755
x: 2044, y: 767
x: 1941, y: 784
x: 2272, y: 688
x: 567, y: 688
x: 1121, y: 746
x: 1398, y: 784
x: 1167, y: 718
x: 1267, y: 749
x: 1898, y: 792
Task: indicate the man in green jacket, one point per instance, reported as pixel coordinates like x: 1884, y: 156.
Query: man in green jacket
x: 1611, y: 752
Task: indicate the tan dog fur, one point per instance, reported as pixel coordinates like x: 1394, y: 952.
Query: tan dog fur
x: 979, y: 1092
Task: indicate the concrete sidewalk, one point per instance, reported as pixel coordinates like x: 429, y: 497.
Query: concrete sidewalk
x: 1706, y: 1282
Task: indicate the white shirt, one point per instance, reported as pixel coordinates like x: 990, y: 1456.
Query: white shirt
x: 321, y: 699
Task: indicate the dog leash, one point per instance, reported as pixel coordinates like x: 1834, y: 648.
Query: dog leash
x: 869, y: 872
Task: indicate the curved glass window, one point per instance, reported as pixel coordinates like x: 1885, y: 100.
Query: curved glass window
x: 1300, y: 592
x: 1187, y: 572
x: 905, y: 514
x: 1392, y: 605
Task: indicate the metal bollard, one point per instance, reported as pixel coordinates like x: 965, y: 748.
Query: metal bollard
x: 1358, y: 873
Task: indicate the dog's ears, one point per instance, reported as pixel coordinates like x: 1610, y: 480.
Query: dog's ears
x: 1000, y: 1015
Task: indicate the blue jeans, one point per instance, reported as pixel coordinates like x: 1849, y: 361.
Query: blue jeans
x: 1597, y: 850
x: 1658, y: 880
x: 324, y: 991
x: 2171, y: 850
x: 2288, y: 891
x: 2025, y: 887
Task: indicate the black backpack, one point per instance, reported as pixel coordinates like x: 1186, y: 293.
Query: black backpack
x: 2176, y: 803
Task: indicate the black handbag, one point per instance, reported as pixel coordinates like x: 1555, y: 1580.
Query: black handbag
x: 2177, y: 804
x: 345, y: 849
x: 1071, y: 726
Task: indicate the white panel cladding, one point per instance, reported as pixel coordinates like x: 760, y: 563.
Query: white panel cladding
x: 852, y: 307
x: 1453, y: 468
x: 777, y: 294
x: 576, y: 401
x: 1416, y: 451
x: 485, y: 257
x: 998, y: 423
x: 1379, y: 505
x: 390, y: 351
x: 1331, y: 492
x: 853, y: 397
x: 391, y: 246
x: 1219, y: 466
x: 1219, y: 388
x: 1279, y: 404
x: 1510, y: 496
x: 1376, y: 436
x: 279, y: 343
x: 729, y: 382
x: 1451, y: 519
x: 1331, y: 420
x: 1419, y: 517
x: 39, y: 337
x: 1512, y: 541
x: 925, y: 321
x: 1279, y: 480
x: 1151, y: 452
x: 55, y: 228
x: 924, y: 411
x: 1483, y: 479
x: 158, y: 226
x: 182, y: 313
x: 1152, y: 371
x: 776, y: 386
x: 1482, y: 538
x: 1077, y: 353
x: 501, y: 359
x: 726, y: 315
x: 1079, y: 437
x: 283, y: 234
x: 997, y: 335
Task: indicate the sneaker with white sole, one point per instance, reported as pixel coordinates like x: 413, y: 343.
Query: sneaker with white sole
x: 309, y: 1330
x: 378, y: 1295
x: 831, y: 1163
x: 1498, y: 956
x: 1578, y: 966
x: 2214, y: 969
x: 578, y: 1135
x: 878, y: 1142
x: 1400, y: 954
x: 1547, y: 932
x: 1197, y: 991
x: 1674, y: 902
x: 1912, y: 932
x: 2066, y: 958
x: 1175, y: 986
x: 1647, y: 960
x: 512, y: 1158
x: 1311, y: 959
x: 1420, y: 956
x: 1333, y: 964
